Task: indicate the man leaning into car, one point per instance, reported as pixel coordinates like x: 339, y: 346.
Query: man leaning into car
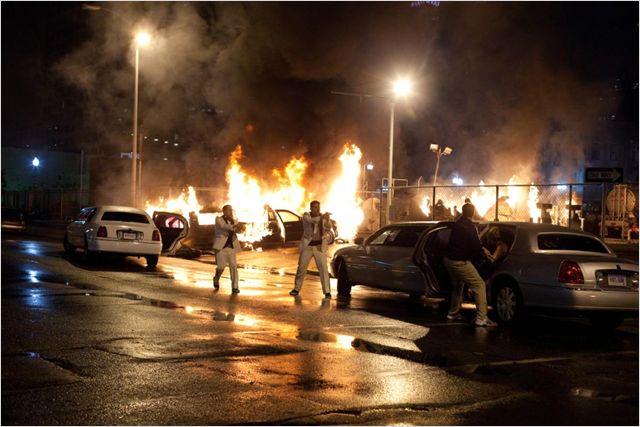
x: 225, y: 246
x: 464, y: 245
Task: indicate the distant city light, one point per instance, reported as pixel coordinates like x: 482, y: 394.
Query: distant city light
x: 35, y: 162
x: 175, y: 144
x: 155, y: 139
x: 166, y: 142
x: 457, y: 180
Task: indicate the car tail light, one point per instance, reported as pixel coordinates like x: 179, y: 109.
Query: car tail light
x: 102, y: 232
x: 570, y: 272
x: 156, y: 236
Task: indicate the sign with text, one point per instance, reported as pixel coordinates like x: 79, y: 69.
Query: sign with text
x: 603, y: 175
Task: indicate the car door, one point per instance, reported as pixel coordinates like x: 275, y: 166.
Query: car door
x: 76, y: 229
x: 370, y: 266
x: 398, y: 252
x: 292, y: 224
x: 428, y: 256
x: 173, y: 229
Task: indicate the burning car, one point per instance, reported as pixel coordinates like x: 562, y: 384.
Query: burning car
x: 190, y: 238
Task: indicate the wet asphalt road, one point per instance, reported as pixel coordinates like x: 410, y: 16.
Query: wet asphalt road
x: 113, y: 343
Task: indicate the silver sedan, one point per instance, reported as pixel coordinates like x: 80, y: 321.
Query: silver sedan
x: 547, y: 267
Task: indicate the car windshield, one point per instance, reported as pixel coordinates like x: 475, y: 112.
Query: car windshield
x: 569, y: 242
x: 125, y: 217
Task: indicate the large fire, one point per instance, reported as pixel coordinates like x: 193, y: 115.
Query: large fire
x: 342, y: 202
x: 515, y: 202
x: 251, y: 197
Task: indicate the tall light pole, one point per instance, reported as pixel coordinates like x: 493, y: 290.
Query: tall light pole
x: 142, y: 39
x: 401, y: 89
x: 439, y: 153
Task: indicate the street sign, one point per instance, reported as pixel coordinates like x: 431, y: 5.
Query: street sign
x: 603, y: 175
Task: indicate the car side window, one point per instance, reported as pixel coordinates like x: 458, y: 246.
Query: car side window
x: 569, y: 242
x: 406, y: 237
x: 437, y: 242
x: 287, y: 216
x: 378, y: 239
x: 90, y: 214
x: 83, y: 215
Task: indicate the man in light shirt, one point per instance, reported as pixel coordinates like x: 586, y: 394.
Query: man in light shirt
x: 314, y: 245
x: 225, y: 246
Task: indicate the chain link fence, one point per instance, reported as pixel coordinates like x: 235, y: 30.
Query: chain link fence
x: 577, y: 206
x: 46, y: 204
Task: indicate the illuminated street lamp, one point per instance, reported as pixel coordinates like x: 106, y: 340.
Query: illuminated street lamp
x: 401, y: 89
x: 141, y: 39
x: 439, y: 153
x: 35, y: 162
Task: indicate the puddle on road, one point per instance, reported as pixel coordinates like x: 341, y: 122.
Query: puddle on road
x: 344, y: 342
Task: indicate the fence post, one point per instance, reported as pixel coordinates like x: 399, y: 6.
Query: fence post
x: 602, y: 212
x: 433, y: 204
x: 497, y: 202
x: 570, y: 205
x: 380, y: 208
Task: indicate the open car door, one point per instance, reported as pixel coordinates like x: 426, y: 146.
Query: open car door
x: 173, y: 229
x: 292, y: 224
x: 428, y: 256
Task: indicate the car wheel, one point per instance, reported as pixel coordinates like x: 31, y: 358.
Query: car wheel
x: 69, y: 249
x: 87, y: 256
x: 507, y: 303
x: 605, y: 321
x: 152, y: 261
x: 344, y: 285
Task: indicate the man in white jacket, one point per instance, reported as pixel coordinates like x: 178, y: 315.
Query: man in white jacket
x: 225, y: 246
x: 314, y: 245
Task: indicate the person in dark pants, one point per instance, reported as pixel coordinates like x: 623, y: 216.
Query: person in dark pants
x: 464, y: 246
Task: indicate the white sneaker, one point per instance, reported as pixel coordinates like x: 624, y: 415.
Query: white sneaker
x: 456, y: 316
x: 484, y: 323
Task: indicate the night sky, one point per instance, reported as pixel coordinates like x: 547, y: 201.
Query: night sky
x: 498, y: 82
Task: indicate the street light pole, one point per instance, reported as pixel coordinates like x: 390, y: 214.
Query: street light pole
x: 435, y: 176
x: 439, y: 153
x: 401, y: 89
x: 134, y: 141
x: 390, y: 176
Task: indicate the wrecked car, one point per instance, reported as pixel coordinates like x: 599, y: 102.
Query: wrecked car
x: 190, y: 239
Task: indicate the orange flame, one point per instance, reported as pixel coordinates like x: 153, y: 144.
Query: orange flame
x: 424, y: 206
x: 250, y: 197
x: 342, y: 201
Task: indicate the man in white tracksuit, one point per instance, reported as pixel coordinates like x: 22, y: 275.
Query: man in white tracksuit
x: 314, y: 245
x: 225, y: 246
